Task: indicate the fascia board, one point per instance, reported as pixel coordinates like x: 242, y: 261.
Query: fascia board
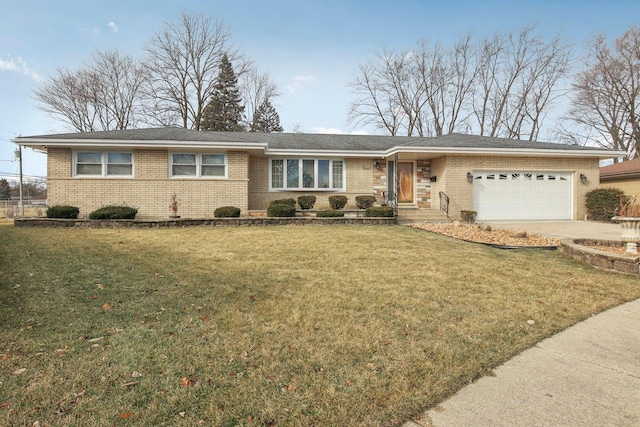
x: 325, y: 153
x: 536, y: 152
x: 40, y: 144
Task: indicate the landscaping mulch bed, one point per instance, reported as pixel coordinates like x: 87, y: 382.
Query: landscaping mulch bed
x: 473, y: 233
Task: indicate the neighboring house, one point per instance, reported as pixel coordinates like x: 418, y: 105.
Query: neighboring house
x: 623, y: 175
x: 499, y: 178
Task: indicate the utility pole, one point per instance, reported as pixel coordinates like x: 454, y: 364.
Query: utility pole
x: 20, y: 203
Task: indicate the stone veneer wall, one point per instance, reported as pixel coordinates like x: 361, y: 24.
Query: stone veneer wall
x: 150, y: 189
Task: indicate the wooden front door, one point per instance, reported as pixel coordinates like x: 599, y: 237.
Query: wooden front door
x: 405, y: 182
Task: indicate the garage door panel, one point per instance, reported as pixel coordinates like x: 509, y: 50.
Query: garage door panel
x: 520, y: 195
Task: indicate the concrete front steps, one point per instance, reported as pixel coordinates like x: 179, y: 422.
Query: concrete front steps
x: 415, y: 215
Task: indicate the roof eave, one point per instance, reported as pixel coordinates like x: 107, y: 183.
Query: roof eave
x: 538, y: 152
x: 42, y: 144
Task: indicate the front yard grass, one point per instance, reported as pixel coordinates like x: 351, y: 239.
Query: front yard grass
x: 300, y: 326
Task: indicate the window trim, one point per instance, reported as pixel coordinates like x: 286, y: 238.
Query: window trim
x: 104, y: 156
x: 301, y: 187
x: 199, y: 165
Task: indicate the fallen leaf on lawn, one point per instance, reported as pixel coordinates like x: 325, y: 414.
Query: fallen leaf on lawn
x: 19, y: 371
x: 126, y: 414
x: 249, y: 419
x: 205, y: 318
x: 95, y: 339
x: 136, y: 374
x: 182, y: 414
x: 187, y: 382
x: 106, y: 306
x: 4, y: 356
x: 347, y: 383
x: 100, y: 286
x: 371, y: 366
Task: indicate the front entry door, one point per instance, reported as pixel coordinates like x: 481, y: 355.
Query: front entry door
x: 405, y: 182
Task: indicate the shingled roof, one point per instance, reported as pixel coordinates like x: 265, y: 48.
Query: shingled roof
x: 300, y: 142
x: 628, y: 169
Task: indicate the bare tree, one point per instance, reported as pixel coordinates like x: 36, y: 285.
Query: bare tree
x: 104, y: 94
x: 256, y: 89
x: 606, y: 101
x: 183, y: 61
x: 518, y: 76
x: 500, y: 86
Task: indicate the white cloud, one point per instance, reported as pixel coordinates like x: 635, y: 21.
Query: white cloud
x: 20, y: 66
x: 299, y: 82
x: 113, y: 26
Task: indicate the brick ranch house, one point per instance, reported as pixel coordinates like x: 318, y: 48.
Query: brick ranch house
x: 501, y: 179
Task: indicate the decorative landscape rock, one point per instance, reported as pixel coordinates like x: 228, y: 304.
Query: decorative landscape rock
x: 484, y: 227
x: 518, y: 234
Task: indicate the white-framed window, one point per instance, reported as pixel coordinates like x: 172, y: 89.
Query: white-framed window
x: 299, y: 174
x: 103, y: 163
x: 197, y: 165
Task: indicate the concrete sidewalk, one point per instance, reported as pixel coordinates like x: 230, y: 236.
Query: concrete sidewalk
x: 587, y: 375
x: 563, y: 229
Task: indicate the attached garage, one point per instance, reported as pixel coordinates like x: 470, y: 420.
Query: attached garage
x: 522, y: 195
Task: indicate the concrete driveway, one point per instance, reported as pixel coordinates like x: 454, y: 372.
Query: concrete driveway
x: 563, y: 229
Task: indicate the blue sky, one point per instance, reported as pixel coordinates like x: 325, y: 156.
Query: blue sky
x: 312, y: 49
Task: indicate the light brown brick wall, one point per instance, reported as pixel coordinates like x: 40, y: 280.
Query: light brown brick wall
x: 631, y: 187
x: 359, y: 180
x: 452, y: 176
x: 151, y: 189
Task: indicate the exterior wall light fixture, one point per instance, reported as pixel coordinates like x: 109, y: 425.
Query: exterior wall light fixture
x: 583, y: 178
x: 469, y: 177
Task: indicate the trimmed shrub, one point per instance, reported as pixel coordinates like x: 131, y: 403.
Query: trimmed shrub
x: 281, y: 210
x: 329, y: 214
x: 290, y: 201
x: 379, y: 211
x: 469, y: 216
x: 364, y: 202
x: 338, y: 202
x: 306, y: 202
x: 63, y: 211
x: 227, y: 212
x: 602, y: 203
x: 114, y: 212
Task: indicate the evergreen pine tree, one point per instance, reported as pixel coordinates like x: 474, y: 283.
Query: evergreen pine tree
x: 224, y: 112
x: 266, y: 119
x: 5, y: 189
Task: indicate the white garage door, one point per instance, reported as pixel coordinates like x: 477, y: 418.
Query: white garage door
x: 508, y: 195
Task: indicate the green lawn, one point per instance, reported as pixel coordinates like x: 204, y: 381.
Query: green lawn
x: 263, y: 326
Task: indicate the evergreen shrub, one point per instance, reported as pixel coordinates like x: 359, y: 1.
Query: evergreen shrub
x: 338, y: 202
x: 306, y: 202
x: 379, y: 211
x: 364, y: 202
x: 281, y: 210
x: 329, y: 214
x: 114, y: 212
x: 602, y: 203
x: 63, y: 211
x: 227, y: 212
x: 289, y: 201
